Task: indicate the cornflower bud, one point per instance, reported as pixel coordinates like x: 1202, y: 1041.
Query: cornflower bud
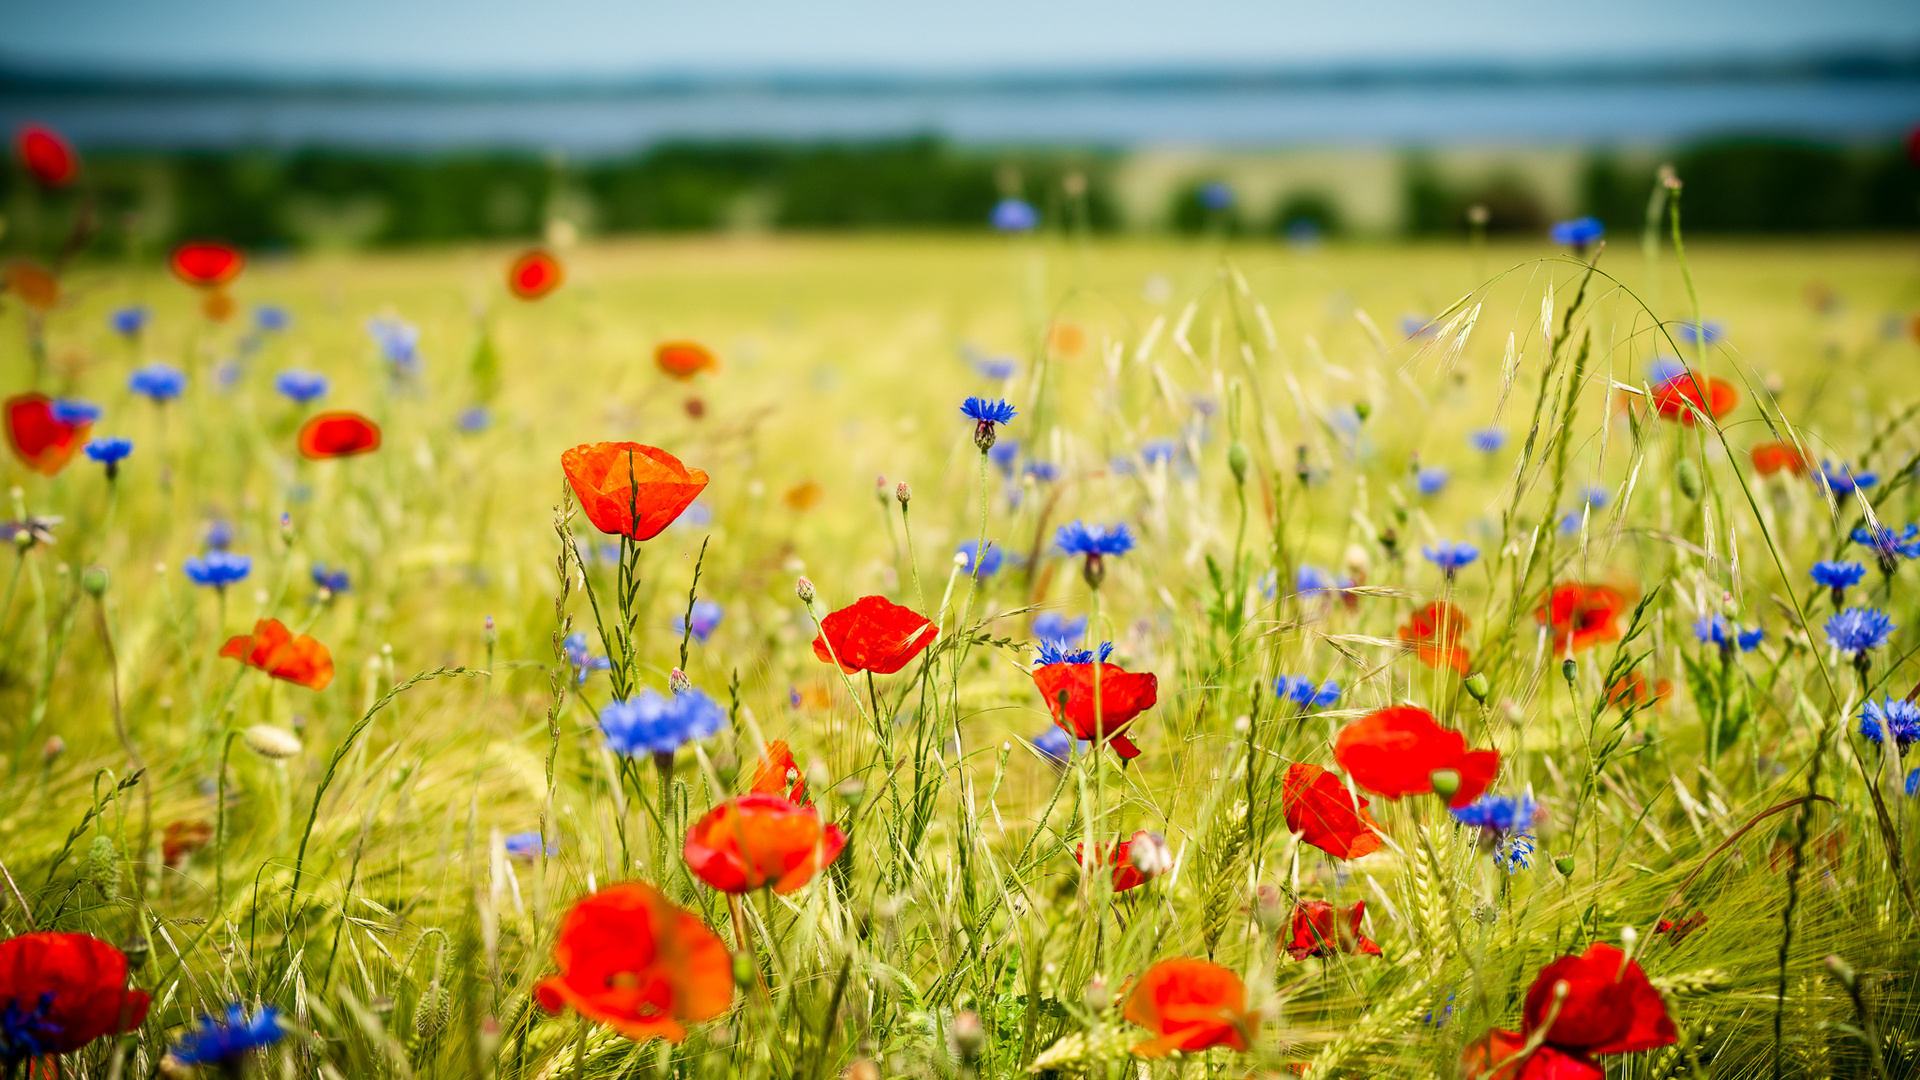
x: 903, y: 492
x: 804, y: 590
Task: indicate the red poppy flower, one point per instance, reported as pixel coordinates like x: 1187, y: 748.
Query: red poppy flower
x: 873, y: 634
x: 36, y: 286
x: 1396, y: 751
x: 341, y: 433
x: 751, y: 841
x: 1631, y: 691
x: 534, y: 275
x: 1678, y: 929
x: 1434, y: 632
x: 629, y: 489
x: 1610, y: 1008
x: 41, y: 441
x: 778, y: 774
x: 47, y: 156
x: 1135, y: 860
x: 1123, y: 696
x: 183, y: 838
x: 684, y: 359
x: 275, y: 650
x: 60, y: 992
x: 633, y: 960
x: 1190, y: 1004
x: 207, y: 264
x: 1771, y: 457
x: 1491, y: 1057
x: 1320, y: 929
x: 1581, y: 616
x: 1325, y: 814
x: 1680, y: 396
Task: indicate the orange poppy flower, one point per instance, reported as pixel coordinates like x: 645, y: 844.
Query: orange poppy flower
x: 1434, y: 632
x: 35, y: 285
x: 1066, y: 339
x: 628, y: 489
x: 1631, y: 691
x: 207, y: 264
x: 1320, y: 929
x: 534, y: 275
x: 47, y: 156
x: 275, y: 650
x: 633, y: 960
x: 684, y: 359
x: 1581, y: 616
x: 216, y: 305
x: 183, y: 838
x: 41, y: 440
x: 804, y: 496
x: 1396, y: 751
x: 1325, y: 814
x: 873, y: 634
x: 1124, y: 695
x: 1190, y: 1004
x: 753, y: 841
x: 1679, y: 397
x: 341, y: 433
x: 1772, y: 457
x: 778, y: 774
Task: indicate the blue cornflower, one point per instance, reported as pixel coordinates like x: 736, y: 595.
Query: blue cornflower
x: 1159, y: 451
x: 1048, y: 652
x: 301, y: 386
x: 1891, y: 716
x: 1579, y: 234
x: 271, y: 317
x: 474, y: 420
x: 130, y: 320
x: 1501, y: 814
x: 1913, y: 782
x: 526, y: 845
x: 1715, y: 630
x: 583, y: 661
x: 158, y: 382
x: 1856, y: 630
x: 399, y: 342
x: 651, y: 723
x: 986, y: 413
x: 1842, y: 480
x: 706, y: 619
x: 1057, y: 628
x: 218, y: 568
x: 1596, y: 496
x: 1516, y: 852
x: 1712, y: 332
x: 1888, y: 546
x: 1044, y: 471
x: 1015, y: 216
x: 110, y: 452
x: 1838, y: 576
x: 1432, y: 480
x: 1418, y: 326
x: 1302, y: 691
x: 1216, y: 196
x: 989, y: 564
x: 219, y: 536
x: 1310, y: 580
x: 226, y: 1042
x: 1665, y: 368
x: 1005, y: 455
x: 1079, y: 538
x: 1450, y: 557
x: 997, y: 368
x: 334, y: 581
x: 73, y: 412
x: 697, y: 515
x: 1054, y: 745
x: 1488, y: 440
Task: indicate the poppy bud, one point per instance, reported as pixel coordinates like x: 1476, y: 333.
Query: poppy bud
x: 1237, y: 461
x: 54, y: 747
x: 903, y: 492
x: 136, y: 950
x: 1446, y: 782
x: 1564, y: 863
x: 1099, y: 998
x: 1841, y: 971
x: 103, y: 868
x: 1362, y: 410
x: 23, y: 539
x: 271, y: 742
x: 678, y: 682
x: 969, y: 1036
x: 1687, y: 475
x: 430, y: 1013
x: 1668, y: 178
x: 1477, y: 686
x: 1629, y: 937
x: 94, y: 580
x: 804, y: 590
x: 745, y: 973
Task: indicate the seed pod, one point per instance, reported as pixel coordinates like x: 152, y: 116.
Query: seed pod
x: 1477, y: 686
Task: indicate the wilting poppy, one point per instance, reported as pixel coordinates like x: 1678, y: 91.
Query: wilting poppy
x: 35, y: 285
x: 1679, y: 397
x: 275, y: 650
x: 684, y: 359
x: 873, y: 634
x: 1434, y: 632
x: 1069, y: 691
x: 59, y: 992
x: 754, y: 841
x: 629, y: 489
x: 1190, y: 1004
x: 635, y: 961
x: 40, y: 437
x: 207, y: 264
x: 1610, y: 1008
x: 1325, y: 814
x: 1396, y: 751
x: 47, y: 156
x: 340, y: 433
x: 1772, y: 457
x: 1320, y: 929
x: 778, y: 774
x: 1136, y: 860
x: 1678, y: 929
x: 534, y: 275
x: 183, y: 838
x: 1581, y: 616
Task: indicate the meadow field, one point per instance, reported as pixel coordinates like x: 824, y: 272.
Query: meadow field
x: 1386, y: 508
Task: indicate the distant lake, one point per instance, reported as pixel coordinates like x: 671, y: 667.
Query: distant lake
x: 1613, y: 111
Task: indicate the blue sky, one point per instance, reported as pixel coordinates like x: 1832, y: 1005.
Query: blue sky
x: 608, y: 37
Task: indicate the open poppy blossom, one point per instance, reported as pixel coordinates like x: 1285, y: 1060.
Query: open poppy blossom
x: 1135, y: 860
x: 41, y: 437
x: 628, y: 489
x: 1320, y: 929
x: 1630, y: 691
x: 778, y: 774
x: 1398, y: 750
x: 59, y: 992
x: 1581, y: 616
x: 1680, y: 397
x: 1772, y: 457
x: 534, y: 275
x: 1434, y: 632
x: 756, y: 841
x: 1325, y: 814
x: 1123, y: 695
x: 36, y: 286
x: 684, y: 359
x: 635, y: 961
x: 275, y: 650
x: 341, y: 433
x: 873, y: 634
x: 47, y: 156
x: 1610, y: 1008
x: 1678, y: 929
x: 183, y: 838
x: 1190, y: 1004
x: 207, y: 264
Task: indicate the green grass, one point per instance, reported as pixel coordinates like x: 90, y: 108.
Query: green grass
x: 411, y: 942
